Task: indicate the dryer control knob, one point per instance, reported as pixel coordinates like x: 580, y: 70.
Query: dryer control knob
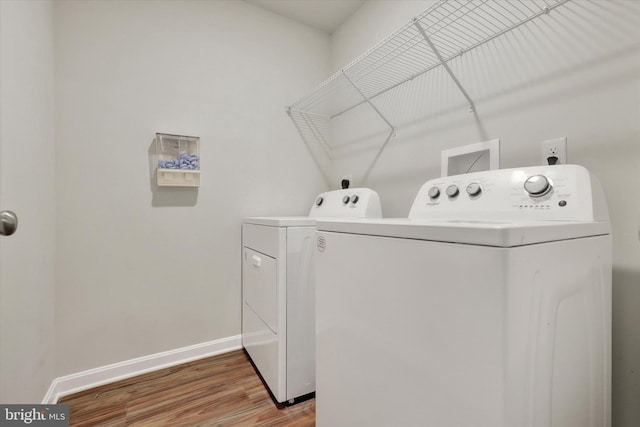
x: 354, y: 199
x: 345, y: 199
x: 319, y: 201
x: 452, y: 191
x: 474, y: 189
x: 434, y: 192
x: 537, y: 185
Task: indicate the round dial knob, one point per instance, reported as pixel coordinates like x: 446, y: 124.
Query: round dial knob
x: 474, y: 189
x: 537, y: 185
x: 345, y: 199
x: 452, y: 191
x: 354, y: 199
x: 319, y: 201
x: 434, y: 192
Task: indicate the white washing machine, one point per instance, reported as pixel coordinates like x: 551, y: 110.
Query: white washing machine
x: 278, y: 294
x: 490, y: 306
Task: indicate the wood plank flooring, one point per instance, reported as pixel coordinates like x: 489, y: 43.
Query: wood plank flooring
x: 222, y: 390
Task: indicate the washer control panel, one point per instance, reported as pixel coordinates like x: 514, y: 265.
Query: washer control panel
x: 561, y: 192
x: 347, y: 203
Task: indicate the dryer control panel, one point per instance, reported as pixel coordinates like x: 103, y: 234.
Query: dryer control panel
x: 347, y: 203
x: 562, y: 192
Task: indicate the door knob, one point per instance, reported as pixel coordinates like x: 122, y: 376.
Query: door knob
x: 8, y: 223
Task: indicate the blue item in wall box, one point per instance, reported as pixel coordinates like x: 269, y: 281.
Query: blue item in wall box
x: 186, y: 161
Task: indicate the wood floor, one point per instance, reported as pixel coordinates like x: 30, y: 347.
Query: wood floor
x: 218, y: 391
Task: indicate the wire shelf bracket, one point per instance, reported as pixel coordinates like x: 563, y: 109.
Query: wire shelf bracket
x: 472, y: 106
x: 366, y: 98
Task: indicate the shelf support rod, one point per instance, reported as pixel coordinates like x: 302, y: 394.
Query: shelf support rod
x: 472, y: 106
x: 366, y: 98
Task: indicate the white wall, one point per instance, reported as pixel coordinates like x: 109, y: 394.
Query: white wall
x: 573, y: 73
x: 27, y: 186
x: 142, y: 269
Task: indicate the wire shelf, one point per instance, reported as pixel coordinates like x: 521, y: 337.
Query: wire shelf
x: 445, y: 31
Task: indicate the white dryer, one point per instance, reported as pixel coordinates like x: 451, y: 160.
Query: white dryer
x: 278, y: 294
x: 490, y: 306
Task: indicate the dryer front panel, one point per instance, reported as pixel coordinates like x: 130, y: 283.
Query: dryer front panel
x: 259, y: 275
x: 263, y: 347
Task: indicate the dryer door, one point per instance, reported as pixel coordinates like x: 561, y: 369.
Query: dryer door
x: 259, y: 276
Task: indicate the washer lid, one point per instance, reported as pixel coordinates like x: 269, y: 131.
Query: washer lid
x: 282, y: 221
x: 486, y: 233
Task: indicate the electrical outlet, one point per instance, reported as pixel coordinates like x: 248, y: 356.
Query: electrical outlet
x: 348, y: 178
x: 554, y: 148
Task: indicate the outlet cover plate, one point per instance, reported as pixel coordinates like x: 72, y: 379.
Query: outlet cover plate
x: 554, y: 147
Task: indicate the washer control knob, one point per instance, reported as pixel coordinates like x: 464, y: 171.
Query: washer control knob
x: 319, y: 201
x: 345, y: 199
x: 452, y: 191
x: 537, y: 185
x: 434, y: 192
x: 474, y: 189
x: 354, y: 199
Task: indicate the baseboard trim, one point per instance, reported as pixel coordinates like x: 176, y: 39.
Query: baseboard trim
x: 85, y: 380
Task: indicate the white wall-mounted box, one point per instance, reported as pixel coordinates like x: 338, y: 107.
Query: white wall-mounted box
x: 178, y: 160
x: 476, y: 157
